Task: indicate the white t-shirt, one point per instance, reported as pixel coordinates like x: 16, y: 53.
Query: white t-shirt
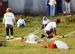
x: 32, y: 38
x: 20, y: 21
x: 61, y: 45
x: 9, y: 18
x: 50, y: 25
x: 52, y: 2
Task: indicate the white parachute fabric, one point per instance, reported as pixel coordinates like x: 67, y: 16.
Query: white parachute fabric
x: 61, y: 45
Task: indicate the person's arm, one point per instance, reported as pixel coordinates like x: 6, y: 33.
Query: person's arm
x: 55, y: 31
x: 24, y: 22
x: 3, y: 21
x: 14, y: 21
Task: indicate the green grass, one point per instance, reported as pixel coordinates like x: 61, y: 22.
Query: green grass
x: 16, y: 47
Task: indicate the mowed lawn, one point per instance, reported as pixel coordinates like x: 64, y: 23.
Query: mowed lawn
x: 32, y: 24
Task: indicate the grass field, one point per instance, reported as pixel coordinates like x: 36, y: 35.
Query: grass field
x: 33, y: 23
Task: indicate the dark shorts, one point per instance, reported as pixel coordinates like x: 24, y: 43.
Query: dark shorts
x: 49, y: 33
x: 9, y: 26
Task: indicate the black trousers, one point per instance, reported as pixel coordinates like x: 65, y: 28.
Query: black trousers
x: 50, y: 33
x: 9, y: 30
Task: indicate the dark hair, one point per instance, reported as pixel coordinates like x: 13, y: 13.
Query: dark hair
x: 8, y: 10
x: 58, y: 21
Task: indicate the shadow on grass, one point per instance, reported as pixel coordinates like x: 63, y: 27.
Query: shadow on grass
x: 0, y: 19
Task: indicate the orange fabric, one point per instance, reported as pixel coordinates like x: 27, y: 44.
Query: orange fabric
x: 52, y: 45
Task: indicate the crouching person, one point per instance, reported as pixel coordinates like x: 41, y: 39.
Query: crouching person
x: 45, y: 22
x: 32, y: 38
x: 21, y: 22
x: 50, y: 29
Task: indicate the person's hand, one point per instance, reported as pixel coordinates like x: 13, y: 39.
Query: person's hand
x: 14, y: 26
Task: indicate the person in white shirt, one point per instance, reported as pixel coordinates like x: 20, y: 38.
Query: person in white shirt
x: 32, y: 38
x: 45, y: 21
x: 52, y: 4
x: 9, y: 21
x: 21, y: 22
x: 50, y: 29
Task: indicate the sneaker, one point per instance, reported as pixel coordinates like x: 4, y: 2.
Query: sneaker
x: 7, y: 37
x: 11, y: 37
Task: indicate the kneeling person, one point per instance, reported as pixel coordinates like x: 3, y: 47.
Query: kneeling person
x: 21, y: 22
x: 50, y: 29
x: 32, y: 38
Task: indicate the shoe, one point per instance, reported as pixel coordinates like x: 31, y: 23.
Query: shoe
x: 11, y: 37
x: 7, y: 37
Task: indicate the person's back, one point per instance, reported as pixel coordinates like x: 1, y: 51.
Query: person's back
x: 9, y: 18
x: 9, y: 22
x: 50, y: 25
x: 21, y: 22
x: 32, y: 38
